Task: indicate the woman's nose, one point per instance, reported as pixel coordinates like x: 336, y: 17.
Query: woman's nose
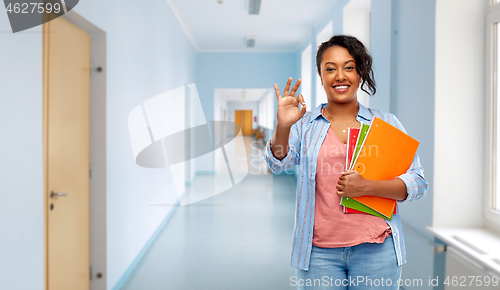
x: 341, y: 75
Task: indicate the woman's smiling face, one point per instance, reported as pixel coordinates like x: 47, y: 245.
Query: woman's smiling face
x: 339, y: 77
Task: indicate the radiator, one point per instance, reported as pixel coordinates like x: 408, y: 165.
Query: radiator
x: 463, y: 273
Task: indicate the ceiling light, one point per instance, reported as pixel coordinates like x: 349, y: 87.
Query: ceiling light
x: 243, y: 95
x: 250, y: 41
x: 254, y: 7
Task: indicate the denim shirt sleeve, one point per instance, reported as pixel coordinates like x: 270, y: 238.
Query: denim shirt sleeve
x: 416, y: 185
x: 293, y: 155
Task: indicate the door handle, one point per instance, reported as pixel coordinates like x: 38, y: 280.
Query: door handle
x: 54, y: 194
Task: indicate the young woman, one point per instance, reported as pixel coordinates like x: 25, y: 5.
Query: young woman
x: 330, y: 249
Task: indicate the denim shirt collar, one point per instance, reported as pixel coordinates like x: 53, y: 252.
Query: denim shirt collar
x: 363, y: 113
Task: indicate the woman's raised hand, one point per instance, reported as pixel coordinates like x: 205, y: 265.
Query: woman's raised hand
x: 288, y: 105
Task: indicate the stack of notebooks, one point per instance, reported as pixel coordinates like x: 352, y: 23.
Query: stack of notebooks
x: 378, y: 151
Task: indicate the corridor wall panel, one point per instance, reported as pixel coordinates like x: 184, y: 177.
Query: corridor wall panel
x: 380, y: 49
x: 21, y: 166
x: 413, y: 81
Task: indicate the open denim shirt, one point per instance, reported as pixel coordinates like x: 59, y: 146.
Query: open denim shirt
x: 306, y: 137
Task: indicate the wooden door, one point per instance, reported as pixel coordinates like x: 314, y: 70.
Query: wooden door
x: 247, y: 123
x: 66, y: 63
x: 244, y: 119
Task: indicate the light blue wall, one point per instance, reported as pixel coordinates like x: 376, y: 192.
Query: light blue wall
x: 21, y: 167
x: 414, y: 90
x: 380, y: 50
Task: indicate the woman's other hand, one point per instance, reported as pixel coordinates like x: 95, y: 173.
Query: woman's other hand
x: 352, y: 184
x: 288, y: 105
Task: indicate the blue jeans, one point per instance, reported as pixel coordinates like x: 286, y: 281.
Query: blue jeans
x: 364, y: 266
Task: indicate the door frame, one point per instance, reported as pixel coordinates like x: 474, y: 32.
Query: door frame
x: 98, y: 180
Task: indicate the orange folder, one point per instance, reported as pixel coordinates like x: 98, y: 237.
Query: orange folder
x: 386, y: 153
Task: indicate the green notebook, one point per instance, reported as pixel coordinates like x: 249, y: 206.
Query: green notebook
x: 352, y: 203
x: 361, y: 138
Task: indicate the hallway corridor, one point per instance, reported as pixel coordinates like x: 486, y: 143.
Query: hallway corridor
x: 239, y: 239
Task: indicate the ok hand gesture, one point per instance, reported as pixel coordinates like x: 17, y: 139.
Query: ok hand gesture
x: 288, y: 105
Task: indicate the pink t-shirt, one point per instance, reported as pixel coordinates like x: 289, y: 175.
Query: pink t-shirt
x: 332, y: 227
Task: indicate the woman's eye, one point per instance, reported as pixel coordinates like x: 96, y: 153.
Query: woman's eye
x: 330, y: 69
x: 349, y: 68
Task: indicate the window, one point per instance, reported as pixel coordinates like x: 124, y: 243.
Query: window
x: 496, y: 110
x: 323, y: 36
x: 266, y: 110
x: 492, y: 200
x: 306, y: 73
x: 356, y: 22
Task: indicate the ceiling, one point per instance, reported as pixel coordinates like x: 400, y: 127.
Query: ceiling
x: 359, y: 4
x: 241, y: 95
x: 281, y: 26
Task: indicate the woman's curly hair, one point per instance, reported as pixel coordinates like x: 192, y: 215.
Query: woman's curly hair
x: 361, y: 56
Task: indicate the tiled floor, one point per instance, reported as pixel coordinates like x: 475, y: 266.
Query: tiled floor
x: 239, y: 239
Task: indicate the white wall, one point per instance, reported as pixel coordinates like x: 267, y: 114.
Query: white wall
x: 147, y: 54
x: 266, y: 111
x: 220, y: 107
x: 459, y: 113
